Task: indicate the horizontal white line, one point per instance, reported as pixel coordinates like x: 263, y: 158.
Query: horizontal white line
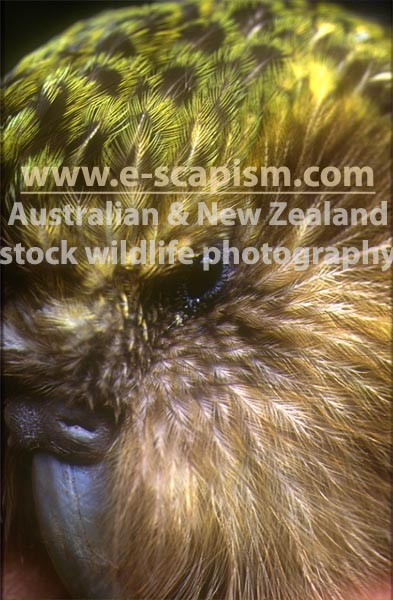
x: 202, y: 193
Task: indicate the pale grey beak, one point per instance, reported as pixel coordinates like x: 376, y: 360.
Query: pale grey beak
x: 72, y: 508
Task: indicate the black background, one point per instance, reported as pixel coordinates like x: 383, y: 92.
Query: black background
x: 28, y: 24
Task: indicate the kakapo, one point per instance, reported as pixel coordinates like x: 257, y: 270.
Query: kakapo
x: 196, y: 433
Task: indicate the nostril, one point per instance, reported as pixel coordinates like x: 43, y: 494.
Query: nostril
x: 78, y: 431
x: 81, y: 432
x: 76, y: 435
x: 73, y: 431
x: 76, y: 427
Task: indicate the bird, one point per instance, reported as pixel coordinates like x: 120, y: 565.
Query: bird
x: 216, y: 429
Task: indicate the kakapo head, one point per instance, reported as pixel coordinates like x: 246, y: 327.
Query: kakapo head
x: 199, y: 432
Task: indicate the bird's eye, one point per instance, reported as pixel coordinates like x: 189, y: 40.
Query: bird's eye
x: 192, y: 288
x: 203, y: 282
